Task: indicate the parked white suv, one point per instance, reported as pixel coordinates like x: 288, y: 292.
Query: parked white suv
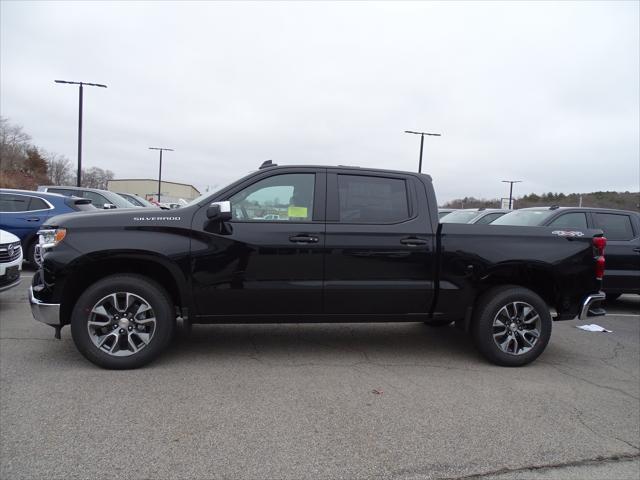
x: 10, y: 260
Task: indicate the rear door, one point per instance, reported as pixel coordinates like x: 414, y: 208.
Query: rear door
x: 268, y: 259
x: 379, y: 257
x: 22, y: 215
x: 622, y: 254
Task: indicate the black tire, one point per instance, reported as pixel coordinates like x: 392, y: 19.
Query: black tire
x: 612, y: 297
x: 489, y: 307
x: 151, y: 292
x: 30, y: 251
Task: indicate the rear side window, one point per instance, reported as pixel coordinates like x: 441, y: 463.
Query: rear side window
x: 570, y: 220
x: 97, y: 199
x: 64, y: 191
x: 615, y: 226
x: 13, y: 203
x: 37, y: 204
x: 488, y: 218
x: 365, y: 199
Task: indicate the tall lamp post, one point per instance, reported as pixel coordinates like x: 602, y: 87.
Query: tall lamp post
x: 162, y: 149
x: 511, y: 182
x: 81, y: 84
x: 422, y: 134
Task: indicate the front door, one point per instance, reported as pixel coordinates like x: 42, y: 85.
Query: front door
x: 268, y: 259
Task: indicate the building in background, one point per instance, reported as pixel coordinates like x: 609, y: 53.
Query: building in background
x: 171, y: 192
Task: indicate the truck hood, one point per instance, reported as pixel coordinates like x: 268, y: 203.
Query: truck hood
x: 121, y: 217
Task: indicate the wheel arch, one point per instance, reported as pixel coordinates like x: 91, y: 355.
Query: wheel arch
x: 88, y: 270
x: 539, y: 278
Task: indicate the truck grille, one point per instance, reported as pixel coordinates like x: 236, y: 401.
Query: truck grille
x: 9, y: 252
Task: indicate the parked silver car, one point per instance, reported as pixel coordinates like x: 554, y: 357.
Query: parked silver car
x: 99, y: 198
x: 474, y: 215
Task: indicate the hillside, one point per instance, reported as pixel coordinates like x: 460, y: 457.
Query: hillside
x: 620, y: 200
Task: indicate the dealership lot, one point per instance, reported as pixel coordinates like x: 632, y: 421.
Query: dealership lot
x: 322, y: 401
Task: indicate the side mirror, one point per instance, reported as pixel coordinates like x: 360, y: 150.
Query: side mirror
x: 108, y: 206
x: 219, y: 211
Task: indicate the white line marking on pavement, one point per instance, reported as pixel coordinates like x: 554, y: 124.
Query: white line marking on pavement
x: 623, y: 315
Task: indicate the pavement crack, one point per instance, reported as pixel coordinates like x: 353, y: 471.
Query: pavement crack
x: 577, y: 463
x: 598, y: 434
x: 590, y: 382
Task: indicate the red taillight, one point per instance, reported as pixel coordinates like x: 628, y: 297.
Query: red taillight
x: 600, y: 267
x: 600, y: 243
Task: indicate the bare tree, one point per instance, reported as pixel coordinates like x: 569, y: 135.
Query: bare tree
x: 59, y: 169
x: 14, y: 144
x: 96, y: 177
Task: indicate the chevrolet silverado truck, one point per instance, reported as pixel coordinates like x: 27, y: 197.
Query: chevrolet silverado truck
x: 309, y: 244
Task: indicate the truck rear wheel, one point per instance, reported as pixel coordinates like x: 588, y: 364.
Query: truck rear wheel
x: 511, y: 326
x: 123, y: 321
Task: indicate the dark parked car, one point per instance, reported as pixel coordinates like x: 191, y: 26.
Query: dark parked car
x: 22, y: 212
x: 99, y: 198
x: 620, y: 227
x: 350, y: 245
x: 481, y: 216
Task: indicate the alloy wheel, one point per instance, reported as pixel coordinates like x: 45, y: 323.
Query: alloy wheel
x: 121, y: 324
x: 516, y: 328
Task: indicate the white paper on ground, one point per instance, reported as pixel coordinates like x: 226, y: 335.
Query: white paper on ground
x: 593, y: 328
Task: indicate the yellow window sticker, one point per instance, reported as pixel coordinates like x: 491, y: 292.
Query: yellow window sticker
x: 297, y: 212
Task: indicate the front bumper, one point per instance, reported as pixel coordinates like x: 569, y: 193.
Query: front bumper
x: 587, y: 311
x: 48, y: 313
x: 11, y: 284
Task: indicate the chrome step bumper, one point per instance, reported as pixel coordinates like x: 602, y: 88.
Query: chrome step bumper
x: 588, y: 302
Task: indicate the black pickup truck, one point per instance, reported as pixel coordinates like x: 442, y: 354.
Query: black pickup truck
x: 310, y: 244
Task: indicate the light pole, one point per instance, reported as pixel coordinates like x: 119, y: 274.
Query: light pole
x: 422, y: 134
x: 81, y: 84
x: 511, y: 182
x: 162, y: 149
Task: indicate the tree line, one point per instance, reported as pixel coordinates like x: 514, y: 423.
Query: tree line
x: 25, y: 166
x: 618, y: 200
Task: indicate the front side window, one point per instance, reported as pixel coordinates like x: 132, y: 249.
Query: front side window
x: 366, y: 199
x: 13, y: 203
x: 281, y: 198
x: 615, y: 226
x: 570, y: 220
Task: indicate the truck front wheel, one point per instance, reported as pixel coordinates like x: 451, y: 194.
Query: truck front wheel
x: 511, y: 325
x: 123, y: 321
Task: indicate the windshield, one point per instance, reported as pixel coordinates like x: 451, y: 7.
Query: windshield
x: 461, y: 216
x: 119, y: 201
x: 529, y: 218
x: 200, y: 198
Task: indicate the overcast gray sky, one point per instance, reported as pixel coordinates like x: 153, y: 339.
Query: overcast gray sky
x: 546, y: 92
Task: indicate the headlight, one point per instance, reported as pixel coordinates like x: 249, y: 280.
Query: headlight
x: 50, y: 237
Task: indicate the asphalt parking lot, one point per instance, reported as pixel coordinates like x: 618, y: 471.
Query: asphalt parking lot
x: 321, y: 401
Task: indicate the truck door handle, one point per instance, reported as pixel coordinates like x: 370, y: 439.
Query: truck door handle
x: 637, y: 249
x: 303, y: 238
x: 413, y: 241
x: 33, y: 219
